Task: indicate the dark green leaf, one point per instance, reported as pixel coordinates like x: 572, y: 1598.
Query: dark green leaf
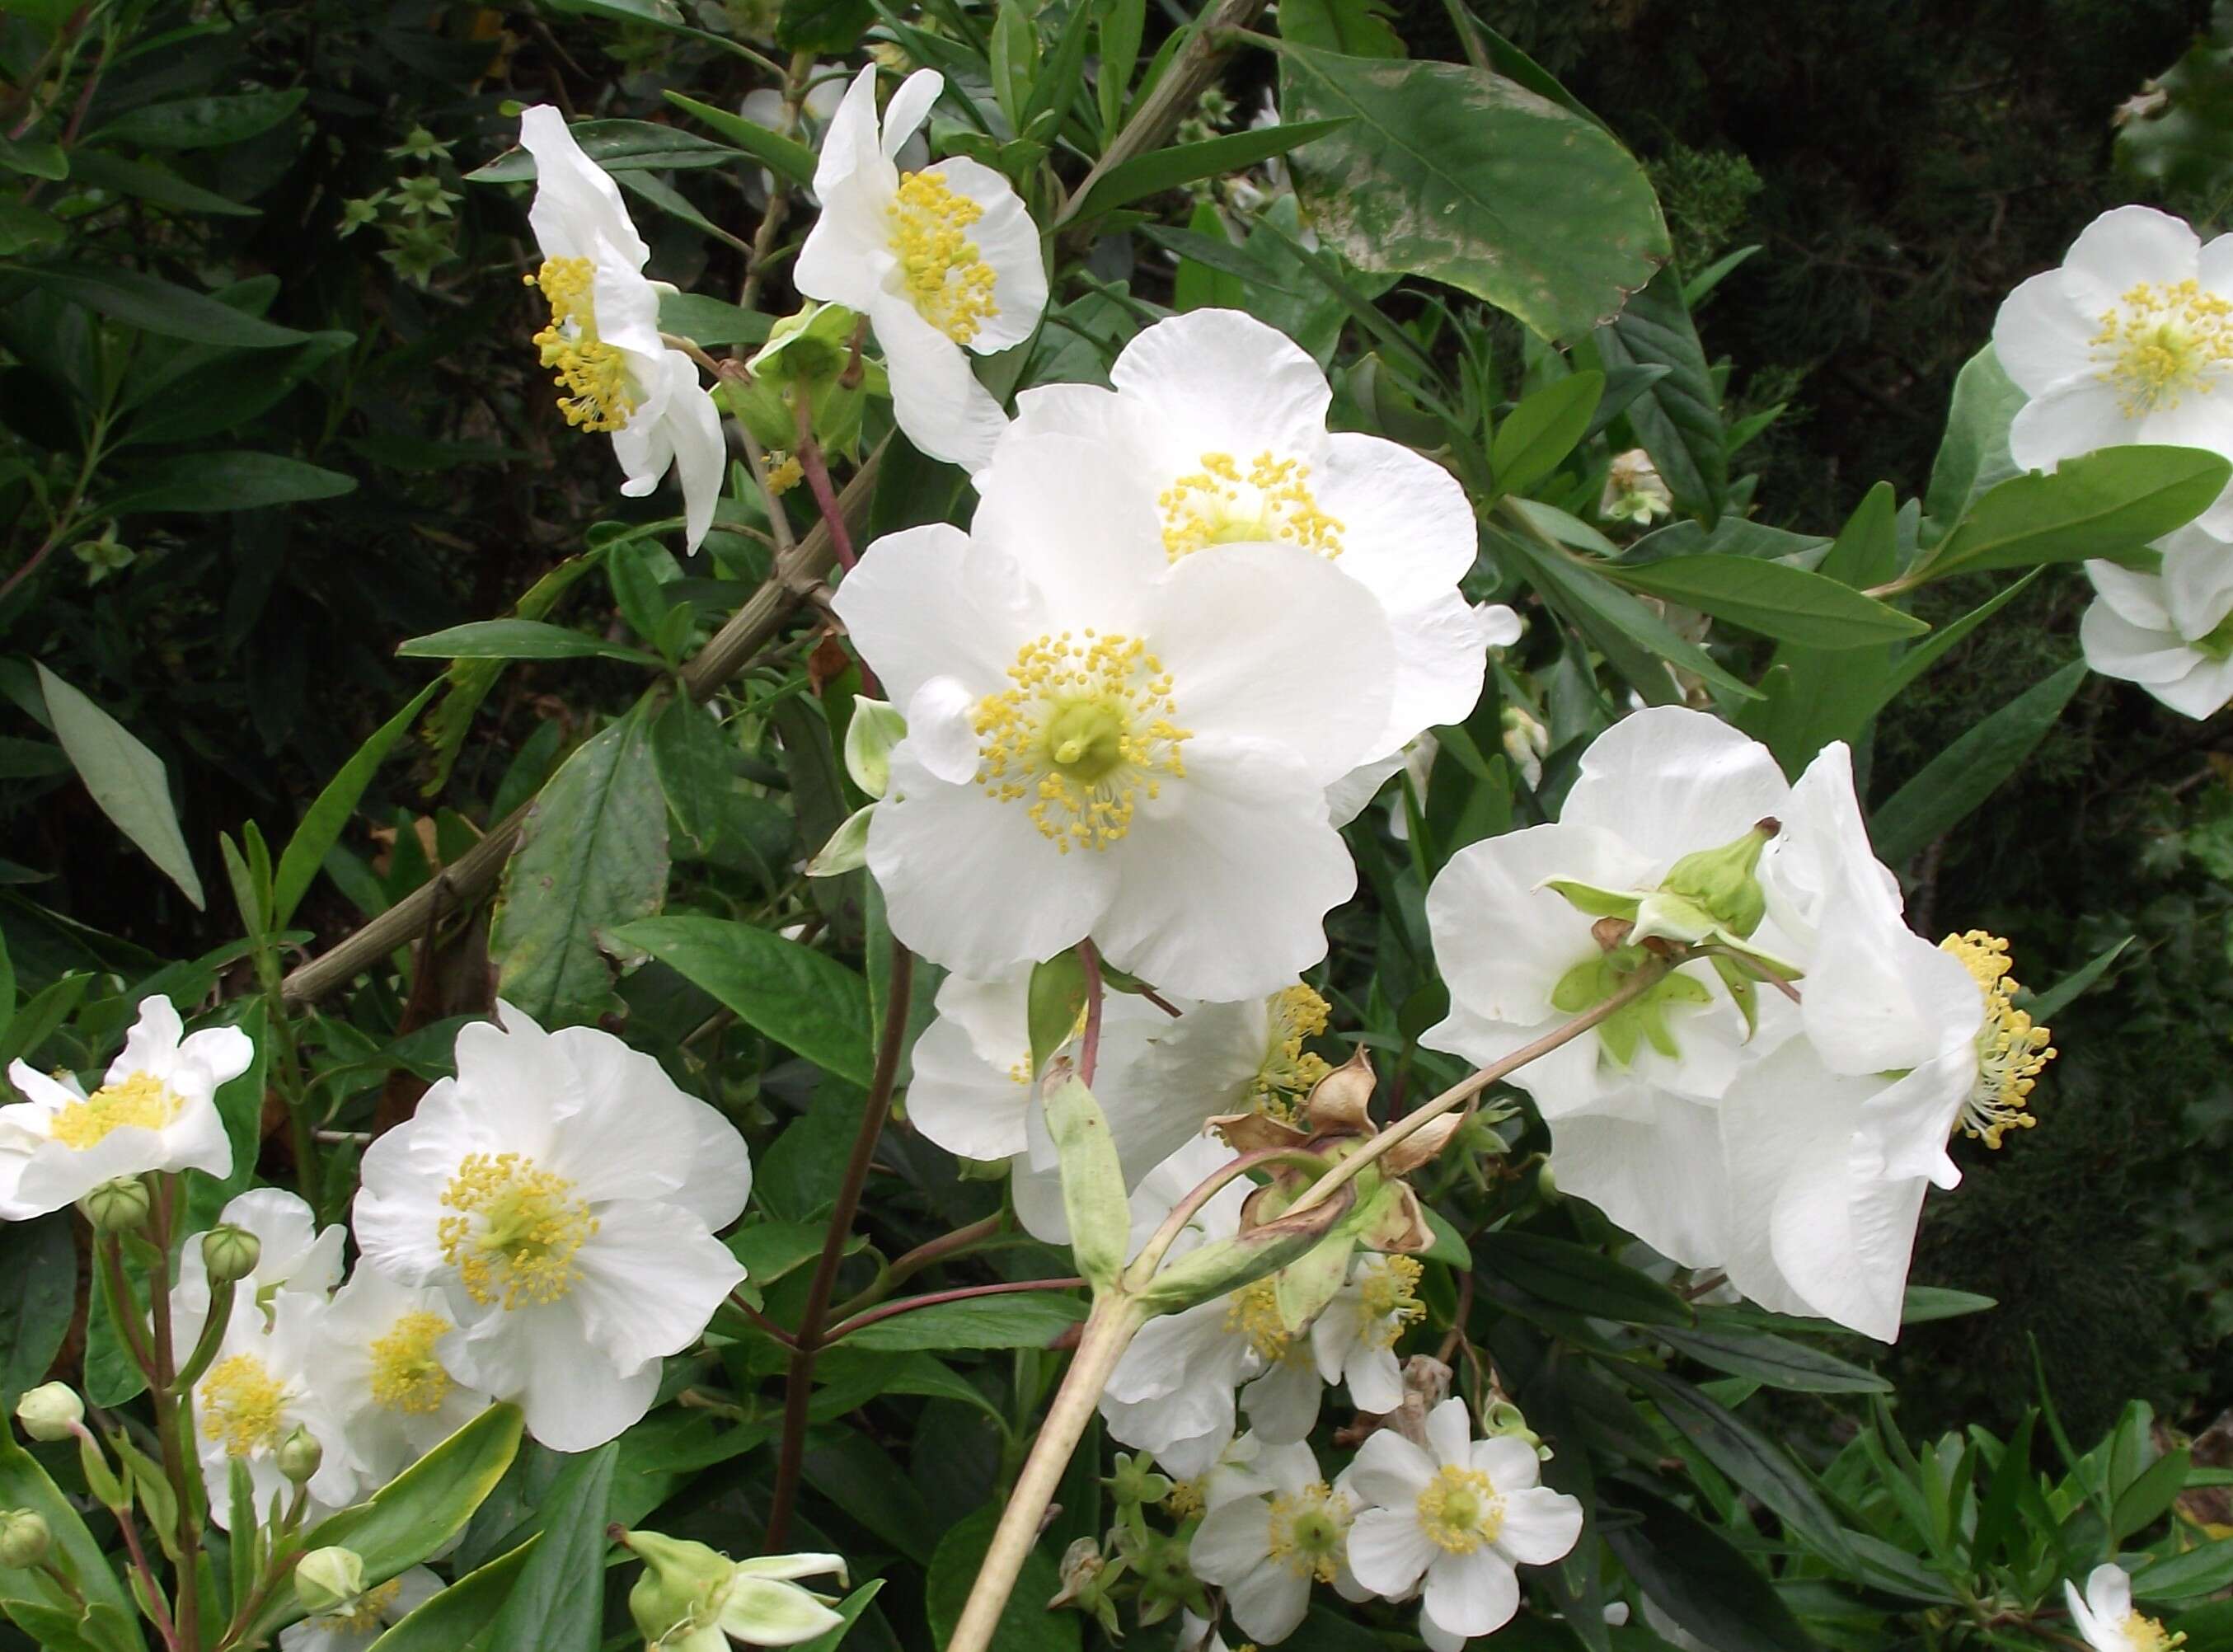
x: 125, y: 779
x: 1678, y: 417
x: 2149, y: 1497
x: 156, y: 306
x: 709, y: 322
x: 1773, y: 599
x: 518, y: 639
x: 26, y: 229
x: 2103, y: 504
x: 1020, y: 1319
x: 804, y: 1000
x: 454, y: 1618
x: 321, y: 826
x: 558, y: 1604
x: 201, y: 122
x: 1164, y: 169
x: 1776, y: 1361
x: 787, y: 157
x: 1974, y: 457
x: 1025, y: 1624
x: 1698, y: 1578
x: 207, y: 483
x: 148, y: 182
x: 2000, y: 1522
x: 2041, y: 1005
x: 823, y: 25
x: 38, y: 1293
x: 1574, y: 1276
x: 1536, y: 436
x: 1055, y: 1001
x: 24, y: 1485
x: 1354, y: 27
x: 2201, y: 1570
x: 1957, y: 780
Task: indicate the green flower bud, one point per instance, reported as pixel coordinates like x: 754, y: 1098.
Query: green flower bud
x: 681, y: 1588
x: 230, y: 1253
x: 812, y: 347
x: 326, y: 1580
x: 118, y: 1207
x: 24, y: 1539
x: 1719, y: 881
x: 299, y: 1455
x: 51, y: 1411
x: 1135, y: 1481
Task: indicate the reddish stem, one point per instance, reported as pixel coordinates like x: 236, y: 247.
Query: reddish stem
x: 1089, y: 1049
x: 960, y: 1294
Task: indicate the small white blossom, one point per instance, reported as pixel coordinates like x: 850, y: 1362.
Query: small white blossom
x: 2171, y: 631
x: 2104, y: 1616
x: 263, y: 1383
x: 381, y: 1368
x: 1267, y: 1547
x: 294, y: 1254
x: 356, y: 1626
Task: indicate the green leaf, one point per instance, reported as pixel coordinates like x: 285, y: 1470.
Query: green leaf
x: 35, y: 158
x: 1093, y: 1193
x: 38, y: 1293
x: 453, y: 1618
x: 1677, y: 417
x: 1020, y: 1319
x: 1574, y: 1276
x: 1973, y: 456
x: 1537, y: 435
x: 2103, y: 504
x: 591, y: 856
x: 1926, y: 1304
x: 803, y: 1000
x: 26, y: 229
x: 617, y: 147
x: 709, y: 322
x: 518, y: 639
x: 1773, y: 599
x: 823, y: 25
x: 156, y: 306
x: 126, y: 779
x: 1960, y: 778
x: 2149, y: 1496
x: 1468, y: 178
x: 1026, y: 1623
x: 321, y: 826
x: 859, y: 1476
x: 787, y: 157
x: 414, y: 1514
x: 2201, y: 1570
x: 154, y: 185
x: 849, y: 1608
x: 202, y: 122
x: 24, y: 1485
x: 2000, y: 1518
x: 557, y: 1605
x: 204, y: 484
x: 1354, y: 27
x: 1698, y: 1577
x: 1166, y: 169
x: 1776, y: 1361
x: 2041, y: 1005
x: 1055, y: 1003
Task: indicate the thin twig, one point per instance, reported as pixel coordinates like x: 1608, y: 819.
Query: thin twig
x: 960, y: 1293
x: 910, y: 1262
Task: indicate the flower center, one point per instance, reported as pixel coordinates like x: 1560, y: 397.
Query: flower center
x: 1084, y: 730
x: 1642, y: 1019
x: 600, y: 395
x: 947, y: 279
x: 1390, y: 1303
x: 1222, y: 505
x: 365, y: 1613
x: 1306, y: 1531
x: 2162, y: 343
x: 406, y: 1375
x: 2010, y: 1051
x: 516, y: 1231
x: 1186, y: 1499
x: 142, y: 1102
x: 2144, y: 1634
x: 1253, y: 1310
x: 243, y: 1405
x: 1290, y: 1073
x: 1459, y: 1510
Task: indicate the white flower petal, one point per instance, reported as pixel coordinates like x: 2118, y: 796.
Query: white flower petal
x: 1662, y: 1179
x: 577, y: 204
x: 2043, y: 335
x: 927, y: 602
x: 1540, y: 1526
x: 908, y: 109
x: 1668, y: 782
x: 648, y: 1280
x: 1471, y: 1594
x: 1389, y: 1471
x: 1222, y: 381
x: 1008, y: 241
x: 2075, y: 417
x: 1084, y: 533
x: 939, y: 406
x: 2129, y: 245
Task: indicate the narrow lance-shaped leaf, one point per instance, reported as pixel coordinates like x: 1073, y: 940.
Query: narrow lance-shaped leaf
x: 125, y: 779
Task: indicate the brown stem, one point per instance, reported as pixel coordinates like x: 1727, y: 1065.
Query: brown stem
x: 798, y: 1387
x: 163, y: 1625
x: 762, y: 1320
x: 913, y: 1262
x: 1088, y: 1044
x: 808, y: 454
x: 778, y: 207
x: 960, y: 1293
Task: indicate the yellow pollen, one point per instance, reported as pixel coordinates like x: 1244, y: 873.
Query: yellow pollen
x: 1289, y: 1073
x: 785, y: 473
x: 1390, y: 1303
x: 2160, y: 342
x: 1221, y: 504
x: 406, y: 1375
x: 1083, y: 732
x: 365, y: 1613
x: 1460, y: 1510
x: 947, y: 279
x: 516, y: 1231
x: 2010, y: 1051
x: 241, y: 1404
x: 1254, y: 1311
x: 594, y: 374
x: 1185, y: 1500
x: 1308, y: 1529
x: 142, y: 1102
x: 2144, y: 1634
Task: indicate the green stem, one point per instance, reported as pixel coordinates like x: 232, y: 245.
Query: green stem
x: 173, y: 1414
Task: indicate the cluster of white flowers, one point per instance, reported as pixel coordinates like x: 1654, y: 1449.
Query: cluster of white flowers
x: 2130, y: 341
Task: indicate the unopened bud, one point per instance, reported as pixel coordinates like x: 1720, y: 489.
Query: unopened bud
x: 24, y: 1539
x: 1720, y: 881
x: 1546, y: 1185
x: 1135, y: 1481
x: 230, y: 1253
x: 117, y: 1206
x: 679, y: 1591
x: 328, y: 1580
x: 876, y: 727
x: 299, y: 1455
x: 51, y: 1411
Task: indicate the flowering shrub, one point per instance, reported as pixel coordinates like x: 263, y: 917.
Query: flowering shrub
x: 1236, y: 845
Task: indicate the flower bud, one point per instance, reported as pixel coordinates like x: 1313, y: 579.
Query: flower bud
x: 24, y: 1539
x: 299, y: 1455
x: 876, y: 727
x: 1135, y: 1481
x: 230, y: 1253
x: 1526, y: 741
x: 117, y: 1206
x: 681, y: 1587
x: 1721, y: 882
x: 326, y: 1580
x: 51, y: 1411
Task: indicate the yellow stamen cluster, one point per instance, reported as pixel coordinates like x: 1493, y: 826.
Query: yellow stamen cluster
x: 366, y: 1613
x: 599, y: 394
x: 1222, y: 505
x: 1307, y: 1529
x: 406, y: 1375
x: 1390, y: 1302
x: 1186, y: 1499
x: 1290, y: 1073
x: 785, y: 473
x: 142, y: 1102
x: 2163, y: 342
x: 516, y: 1231
x: 947, y: 279
x: 243, y: 1405
x: 2010, y: 1051
x: 1460, y: 1510
x: 2143, y: 1633
x: 1254, y: 1312
x: 1085, y: 729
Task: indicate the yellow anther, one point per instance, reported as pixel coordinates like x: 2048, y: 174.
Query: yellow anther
x: 243, y: 1405
x: 406, y: 1375
x: 1221, y: 504
x: 1084, y: 732
x: 142, y: 1102
x: 2144, y: 1634
x: 1308, y: 1529
x: 366, y: 1613
x: 785, y: 473
x: 1185, y: 1500
x: 1460, y: 1510
x: 1391, y: 1303
x: 2161, y: 342
x: 947, y: 279
x: 600, y: 395
x: 2010, y: 1051
x: 1253, y: 1310
x: 516, y: 1231
x: 1290, y: 1073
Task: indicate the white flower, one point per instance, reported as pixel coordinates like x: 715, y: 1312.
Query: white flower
x: 1459, y: 1515
x: 294, y: 1254
x: 941, y: 261
x: 2171, y: 632
x: 381, y: 1368
x: 1222, y: 421
x: 2128, y: 341
x: 155, y: 1110
x: 563, y: 1193
x: 1266, y: 1548
x: 1102, y: 742
x: 367, y: 1618
x: 1631, y: 1103
x: 603, y: 336
x: 1355, y: 1335
x: 826, y: 91
x: 2104, y: 1614
x: 263, y: 1383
